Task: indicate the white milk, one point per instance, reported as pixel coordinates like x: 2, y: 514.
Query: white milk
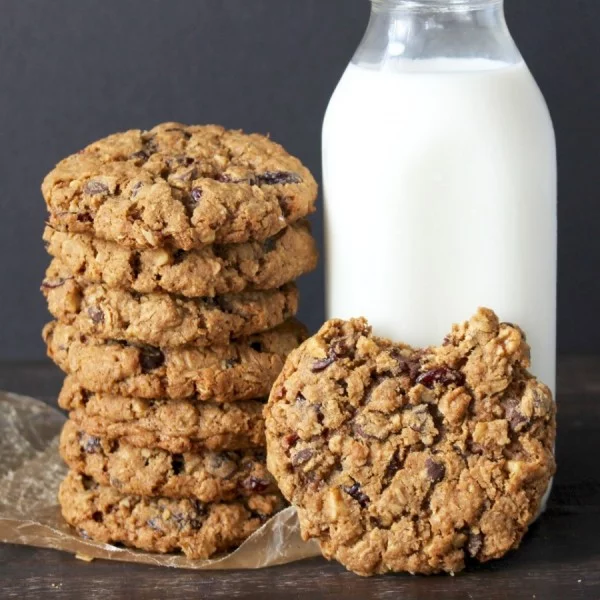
x: 440, y: 196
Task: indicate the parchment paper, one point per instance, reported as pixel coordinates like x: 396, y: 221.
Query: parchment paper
x: 31, y: 471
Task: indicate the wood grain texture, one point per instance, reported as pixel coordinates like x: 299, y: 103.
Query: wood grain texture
x: 559, y: 558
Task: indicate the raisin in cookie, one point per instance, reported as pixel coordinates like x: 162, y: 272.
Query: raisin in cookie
x: 412, y: 460
x: 211, y: 271
x: 172, y: 425
x: 161, y: 319
x: 199, y: 530
x: 207, y: 476
x: 180, y: 186
x: 241, y: 370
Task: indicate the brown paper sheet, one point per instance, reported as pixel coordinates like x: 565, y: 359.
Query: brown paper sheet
x: 31, y: 471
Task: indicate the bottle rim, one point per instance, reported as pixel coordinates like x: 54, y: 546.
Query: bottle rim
x: 435, y: 4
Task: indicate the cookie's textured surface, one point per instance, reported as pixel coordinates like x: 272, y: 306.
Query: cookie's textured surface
x: 412, y: 460
x: 161, y: 524
x: 161, y: 319
x: 206, y: 475
x: 173, y: 425
x: 180, y: 186
x: 242, y: 370
x: 211, y: 271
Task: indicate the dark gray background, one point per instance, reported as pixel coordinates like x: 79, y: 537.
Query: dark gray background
x: 72, y: 71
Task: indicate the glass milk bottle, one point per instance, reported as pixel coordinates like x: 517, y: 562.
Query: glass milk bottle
x: 439, y: 167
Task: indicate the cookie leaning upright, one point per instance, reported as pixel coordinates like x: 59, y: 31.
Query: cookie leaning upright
x: 177, y: 185
x: 412, y: 460
x: 175, y: 253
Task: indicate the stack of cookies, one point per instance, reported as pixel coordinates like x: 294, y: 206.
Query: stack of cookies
x: 175, y: 252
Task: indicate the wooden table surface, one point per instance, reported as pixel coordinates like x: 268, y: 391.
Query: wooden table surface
x: 559, y: 558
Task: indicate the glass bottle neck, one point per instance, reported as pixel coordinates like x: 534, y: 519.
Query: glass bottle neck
x: 411, y: 30
x: 433, y: 5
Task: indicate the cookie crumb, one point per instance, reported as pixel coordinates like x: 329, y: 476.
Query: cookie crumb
x: 84, y: 557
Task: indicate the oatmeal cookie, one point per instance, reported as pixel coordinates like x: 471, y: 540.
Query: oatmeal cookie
x: 158, y: 524
x: 173, y: 425
x: 241, y: 370
x: 206, y: 475
x: 211, y: 271
x: 182, y: 186
x: 161, y: 319
x: 401, y: 459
